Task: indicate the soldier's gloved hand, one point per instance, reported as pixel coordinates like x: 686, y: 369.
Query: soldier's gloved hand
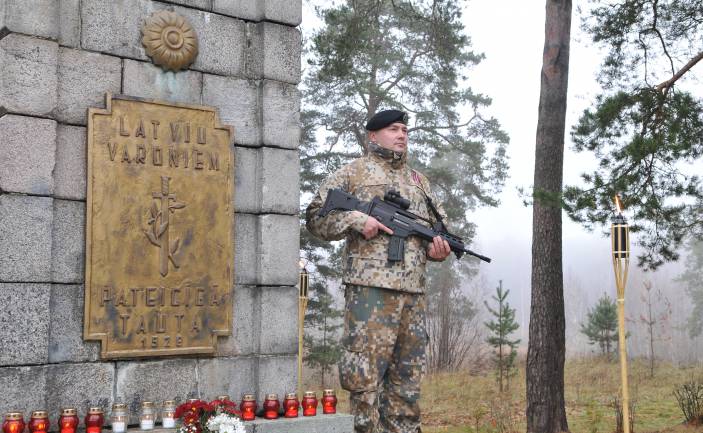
x: 371, y: 228
x: 439, y: 249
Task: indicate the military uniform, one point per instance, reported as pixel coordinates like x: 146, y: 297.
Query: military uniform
x: 385, y: 333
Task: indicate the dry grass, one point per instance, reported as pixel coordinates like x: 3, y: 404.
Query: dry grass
x: 453, y: 402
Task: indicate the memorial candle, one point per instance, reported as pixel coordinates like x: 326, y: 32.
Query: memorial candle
x: 168, y: 412
x: 119, y: 418
x: 248, y: 407
x: 271, y: 406
x: 39, y: 421
x: 68, y: 421
x: 14, y: 423
x: 94, y: 420
x: 309, y: 403
x: 329, y: 402
x: 290, y: 405
x: 148, y: 416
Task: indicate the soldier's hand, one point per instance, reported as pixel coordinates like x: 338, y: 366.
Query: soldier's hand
x: 438, y: 249
x: 372, y: 227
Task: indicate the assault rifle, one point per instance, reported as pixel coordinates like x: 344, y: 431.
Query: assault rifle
x: 392, y: 211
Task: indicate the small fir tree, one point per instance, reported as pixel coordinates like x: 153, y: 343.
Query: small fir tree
x: 322, y: 321
x: 602, y: 325
x: 501, y: 328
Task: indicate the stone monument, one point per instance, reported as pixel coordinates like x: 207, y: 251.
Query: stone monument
x: 58, y: 58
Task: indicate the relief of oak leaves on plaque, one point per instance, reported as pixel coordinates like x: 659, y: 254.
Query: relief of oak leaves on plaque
x: 158, y: 233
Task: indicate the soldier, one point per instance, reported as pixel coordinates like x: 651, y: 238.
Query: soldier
x: 384, y: 323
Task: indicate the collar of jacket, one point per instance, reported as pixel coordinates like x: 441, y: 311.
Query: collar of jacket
x: 395, y: 159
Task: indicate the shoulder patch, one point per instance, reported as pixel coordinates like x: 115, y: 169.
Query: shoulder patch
x: 416, y: 177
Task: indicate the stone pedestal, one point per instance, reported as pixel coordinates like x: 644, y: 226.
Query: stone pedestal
x: 57, y: 58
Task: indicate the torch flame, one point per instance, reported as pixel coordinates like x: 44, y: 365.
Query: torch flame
x: 618, y: 203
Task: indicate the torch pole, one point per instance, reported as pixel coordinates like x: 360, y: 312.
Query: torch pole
x: 620, y: 236
x: 302, y: 305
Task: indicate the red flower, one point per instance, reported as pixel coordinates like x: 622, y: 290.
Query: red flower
x: 191, y: 417
x: 229, y: 403
x: 232, y: 411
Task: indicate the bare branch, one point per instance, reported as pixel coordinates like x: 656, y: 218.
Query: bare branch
x: 663, y: 87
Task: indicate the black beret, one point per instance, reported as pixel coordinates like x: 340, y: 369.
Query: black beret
x: 384, y: 118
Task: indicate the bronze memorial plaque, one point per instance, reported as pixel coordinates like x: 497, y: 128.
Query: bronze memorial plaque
x: 159, y: 228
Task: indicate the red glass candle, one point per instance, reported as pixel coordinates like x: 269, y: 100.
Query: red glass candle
x: 309, y: 403
x: 290, y: 405
x: 14, y: 423
x: 68, y: 421
x: 94, y: 420
x: 329, y: 402
x: 271, y: 406
x: 39, y: 421
x: 248, y: 407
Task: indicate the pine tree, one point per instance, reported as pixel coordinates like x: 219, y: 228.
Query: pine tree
x: 501, y: 328
x: 692, y: 278
x: 601, y: 327
x: 321, y: 342
x: 646, y: 124
x: 546, y: 349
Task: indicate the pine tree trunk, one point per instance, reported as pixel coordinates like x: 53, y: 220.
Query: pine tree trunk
x: 546, y: 350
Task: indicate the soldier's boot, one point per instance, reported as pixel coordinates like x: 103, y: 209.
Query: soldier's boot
x: 365, y: 411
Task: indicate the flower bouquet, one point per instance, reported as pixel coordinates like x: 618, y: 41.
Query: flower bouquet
x: 218, y: 416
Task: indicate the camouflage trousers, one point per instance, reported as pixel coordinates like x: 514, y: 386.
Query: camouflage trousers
x: 383, y: 358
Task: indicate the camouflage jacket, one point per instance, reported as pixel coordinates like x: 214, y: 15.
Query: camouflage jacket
x: 365, y: 261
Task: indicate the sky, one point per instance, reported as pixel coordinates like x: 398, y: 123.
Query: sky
x: 511, y: 35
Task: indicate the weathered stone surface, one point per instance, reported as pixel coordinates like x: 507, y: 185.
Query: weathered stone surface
x: 69, y: 23
x: 149, y: 81
x: 281, y: 115
x: 199, y: 4
x: 80, y: 386
x: 23, y: 388
x: 66, y: 333
x: 84, y: 77
x: 255, y: 51
x: 137, y: 381
x: 266, y: 180
x: 70, y: 169
x: 231, y: 376
x: 36, y: 17
x: 279, y: 243
x: 282, y: 46
x: 238, y: 104
x: 277, y: 374
x: 68, y: 242
x: 280, y: 178
x: 251, y: 10
x: 28, y: 75
x: 279, y: 316
x: 114, y: 27
x: 337, y: 423
x: 245, y: 336
x: 27, y: 148
x: 25, y: 233
x: 221, y: 39
x: 284, y: 11
x: 247, y: 179
x: 245, y: 247
x: 24, y: 323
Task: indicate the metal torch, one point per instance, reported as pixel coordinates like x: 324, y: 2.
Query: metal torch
x: 303, y: 283
x: 620, y: 237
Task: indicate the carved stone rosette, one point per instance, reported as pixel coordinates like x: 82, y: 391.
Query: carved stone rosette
x: 169, y: 40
